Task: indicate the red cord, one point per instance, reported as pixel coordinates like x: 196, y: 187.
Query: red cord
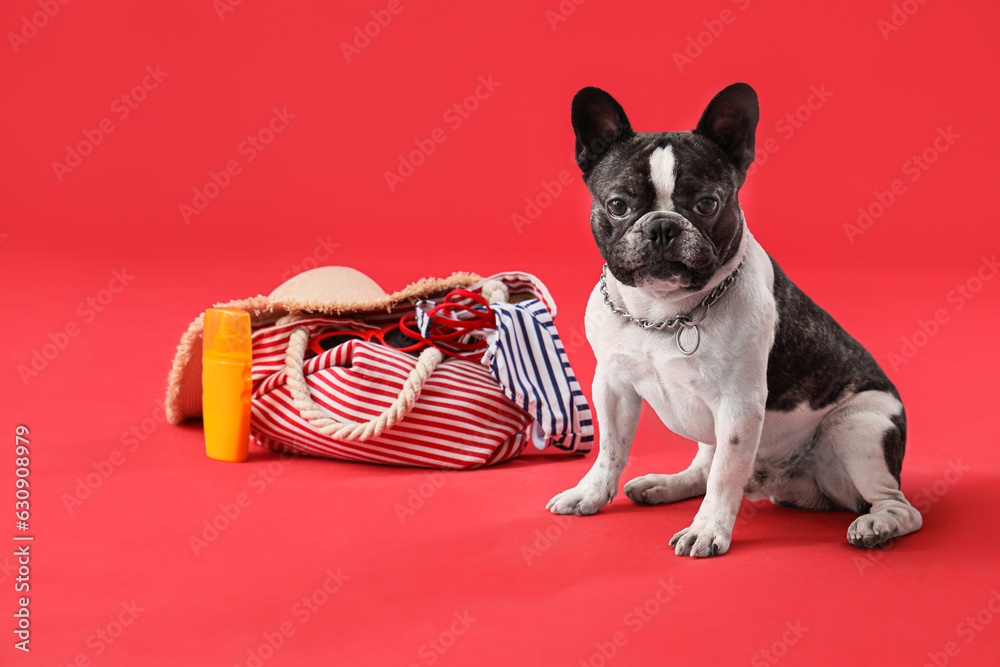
x: 445, y: 332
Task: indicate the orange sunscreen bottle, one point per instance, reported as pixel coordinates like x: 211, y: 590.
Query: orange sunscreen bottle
x: 225, y: 383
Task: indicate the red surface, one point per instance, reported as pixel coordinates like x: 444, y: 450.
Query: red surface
x: 318, y: 192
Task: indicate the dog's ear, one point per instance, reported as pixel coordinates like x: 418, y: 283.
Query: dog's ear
x: 730, y: 120
x: 598, y: 121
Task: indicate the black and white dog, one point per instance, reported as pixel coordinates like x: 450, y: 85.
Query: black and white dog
x: 693, y: 316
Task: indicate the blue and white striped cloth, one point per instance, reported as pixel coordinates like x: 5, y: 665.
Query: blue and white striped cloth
x: 528, y: 359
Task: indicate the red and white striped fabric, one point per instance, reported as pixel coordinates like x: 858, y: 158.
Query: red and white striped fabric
x: 461, y: 420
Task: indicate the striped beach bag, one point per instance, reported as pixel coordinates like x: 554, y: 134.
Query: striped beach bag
x: 329, y: 379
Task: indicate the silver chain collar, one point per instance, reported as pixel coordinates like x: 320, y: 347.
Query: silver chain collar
x: 678, y: 322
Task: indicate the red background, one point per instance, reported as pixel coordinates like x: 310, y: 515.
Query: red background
x: 318, y: 194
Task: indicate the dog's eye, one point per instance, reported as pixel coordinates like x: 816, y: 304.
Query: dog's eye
x: 618, y: 207
x: 706, y: 206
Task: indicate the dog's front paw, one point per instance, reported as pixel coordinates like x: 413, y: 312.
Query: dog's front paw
x: 582, y: 499
x: 702, y: 539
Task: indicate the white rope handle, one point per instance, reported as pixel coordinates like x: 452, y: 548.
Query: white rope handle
x: 495, y: 291
x: 360, y: 431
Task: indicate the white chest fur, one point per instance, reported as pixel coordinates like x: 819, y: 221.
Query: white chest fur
x: 686, y: 391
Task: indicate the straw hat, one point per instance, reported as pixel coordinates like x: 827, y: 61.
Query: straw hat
x: 328, y: 290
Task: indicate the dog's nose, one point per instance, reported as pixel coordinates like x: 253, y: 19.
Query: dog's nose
x: 661, y: 232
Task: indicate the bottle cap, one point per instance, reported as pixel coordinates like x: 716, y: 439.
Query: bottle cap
x: 227, y: 334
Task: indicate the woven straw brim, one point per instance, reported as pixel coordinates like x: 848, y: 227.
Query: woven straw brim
x: 184, y: 382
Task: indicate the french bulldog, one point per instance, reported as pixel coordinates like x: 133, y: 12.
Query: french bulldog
x: 694, y: 317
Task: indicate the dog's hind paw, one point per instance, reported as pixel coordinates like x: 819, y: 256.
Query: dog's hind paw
x: 657, y: 489
x: 873, y: 530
